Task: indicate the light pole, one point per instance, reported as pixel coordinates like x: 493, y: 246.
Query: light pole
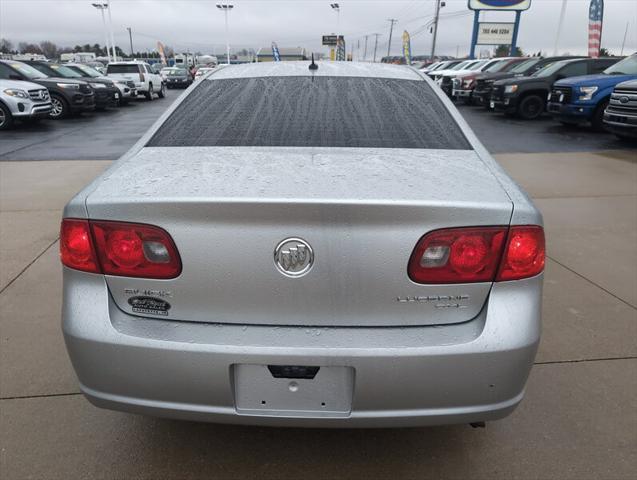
x: 101, y: 7
x: 130, y: 37
x: 337, y: 8
x: 226, y: 7
x: 110, y: 24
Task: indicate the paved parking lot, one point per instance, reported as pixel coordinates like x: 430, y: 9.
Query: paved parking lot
x: 579, y: 418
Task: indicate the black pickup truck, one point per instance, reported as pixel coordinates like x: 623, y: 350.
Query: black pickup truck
x: 526, y: 67
x: 620, y: 116
x: 526, y: 97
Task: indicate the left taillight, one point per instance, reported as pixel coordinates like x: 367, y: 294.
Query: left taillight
x: 119, y: 248
x: 76, y: 246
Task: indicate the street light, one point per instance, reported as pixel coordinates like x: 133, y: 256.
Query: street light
x: 110, y: 24
x: 226, y: 7
x: 101, y: 7
x: 337, y: 8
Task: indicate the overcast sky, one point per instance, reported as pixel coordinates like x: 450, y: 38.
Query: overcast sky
x: 197, y: 25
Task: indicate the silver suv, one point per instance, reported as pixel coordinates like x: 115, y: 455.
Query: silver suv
x: 22, y: 100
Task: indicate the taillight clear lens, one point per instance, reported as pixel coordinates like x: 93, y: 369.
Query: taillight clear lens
x: 134, y: 250
x: 458, y: 255
x: 76, y: 246
x: 525, y: 253
x: 118, y: 248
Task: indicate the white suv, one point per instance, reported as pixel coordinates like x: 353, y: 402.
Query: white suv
x: 22, y: 101
x: 141, y: 74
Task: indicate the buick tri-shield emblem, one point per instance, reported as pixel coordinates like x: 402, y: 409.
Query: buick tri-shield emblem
x: 293, y: 257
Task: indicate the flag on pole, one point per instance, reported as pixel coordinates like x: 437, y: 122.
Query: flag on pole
x: 595, y: 21
x: 275, y: 52
x: 407, y: 47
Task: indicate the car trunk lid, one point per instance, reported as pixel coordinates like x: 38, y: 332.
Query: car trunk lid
x: 361, y: 211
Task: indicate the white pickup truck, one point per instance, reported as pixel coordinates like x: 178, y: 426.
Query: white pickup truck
x: 146, y: 81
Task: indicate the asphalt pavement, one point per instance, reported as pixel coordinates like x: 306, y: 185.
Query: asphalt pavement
x: 579, y: 417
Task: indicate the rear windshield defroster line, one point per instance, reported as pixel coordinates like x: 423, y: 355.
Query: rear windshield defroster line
x: 312, y: 112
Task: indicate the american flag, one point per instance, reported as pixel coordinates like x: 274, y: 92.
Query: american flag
x: 595, y: 20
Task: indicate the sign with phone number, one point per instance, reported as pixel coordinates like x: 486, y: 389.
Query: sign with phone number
x: 495, y: 33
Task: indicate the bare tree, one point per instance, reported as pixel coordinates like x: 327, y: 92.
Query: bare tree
x: 6, y: 45
x: 49, y: 49
x: 25, y: 47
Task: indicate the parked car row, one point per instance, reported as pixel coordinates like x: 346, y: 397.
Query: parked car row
x: 32, y: 90
x: 574, y: 90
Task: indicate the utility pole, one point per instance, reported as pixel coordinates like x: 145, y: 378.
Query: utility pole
x: 365, y: 51
x: 559, y: 28
x: 391, y: 31
x: 376, y: 45
x: 436, y: 18
x: 130, y: 37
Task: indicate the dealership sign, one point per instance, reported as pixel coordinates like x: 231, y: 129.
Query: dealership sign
x: 495, y: 33
x: 513, y: 5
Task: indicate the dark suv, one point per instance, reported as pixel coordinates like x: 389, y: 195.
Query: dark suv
x: 68, y: 95
x: 526, y: 96
x: 525, y: 68
x: 106, y: 93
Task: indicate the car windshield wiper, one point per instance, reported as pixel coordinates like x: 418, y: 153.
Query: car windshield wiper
x: 617, y: 73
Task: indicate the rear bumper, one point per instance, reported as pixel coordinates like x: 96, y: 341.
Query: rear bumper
x: 474, y: 371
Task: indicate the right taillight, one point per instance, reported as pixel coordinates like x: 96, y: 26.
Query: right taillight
x: 119, y: 248
x: 478, y: 254
x: 525, y: 253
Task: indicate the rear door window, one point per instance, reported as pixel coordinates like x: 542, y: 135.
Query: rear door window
x: 312, y: 112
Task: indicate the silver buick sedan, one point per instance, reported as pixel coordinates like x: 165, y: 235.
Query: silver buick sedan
x: 296, y: 244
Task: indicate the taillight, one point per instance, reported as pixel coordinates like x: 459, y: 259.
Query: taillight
x: 458, y: 255
x: 120, y: 248
x: 525, y: 253
x: 478, y: 254
x: 76, y: 246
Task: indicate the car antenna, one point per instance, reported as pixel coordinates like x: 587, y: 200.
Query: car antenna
x: 313, y: 66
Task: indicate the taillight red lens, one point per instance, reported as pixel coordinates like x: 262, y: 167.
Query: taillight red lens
x: 118, y: 248
x: 525, y: 253
x: 458, y: 255
x: 76, y: 246
x: 134, y: 250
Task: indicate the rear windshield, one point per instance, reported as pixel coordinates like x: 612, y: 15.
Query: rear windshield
x: 312, y: 112
x: 123, y: 69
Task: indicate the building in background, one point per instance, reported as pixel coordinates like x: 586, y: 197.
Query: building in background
x: 266, y: 54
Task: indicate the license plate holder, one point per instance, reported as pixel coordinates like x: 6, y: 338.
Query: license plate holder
x: 492, y: 104
x: 328, y: 394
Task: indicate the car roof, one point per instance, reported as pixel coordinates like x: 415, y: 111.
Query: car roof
x: 325, y: 69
